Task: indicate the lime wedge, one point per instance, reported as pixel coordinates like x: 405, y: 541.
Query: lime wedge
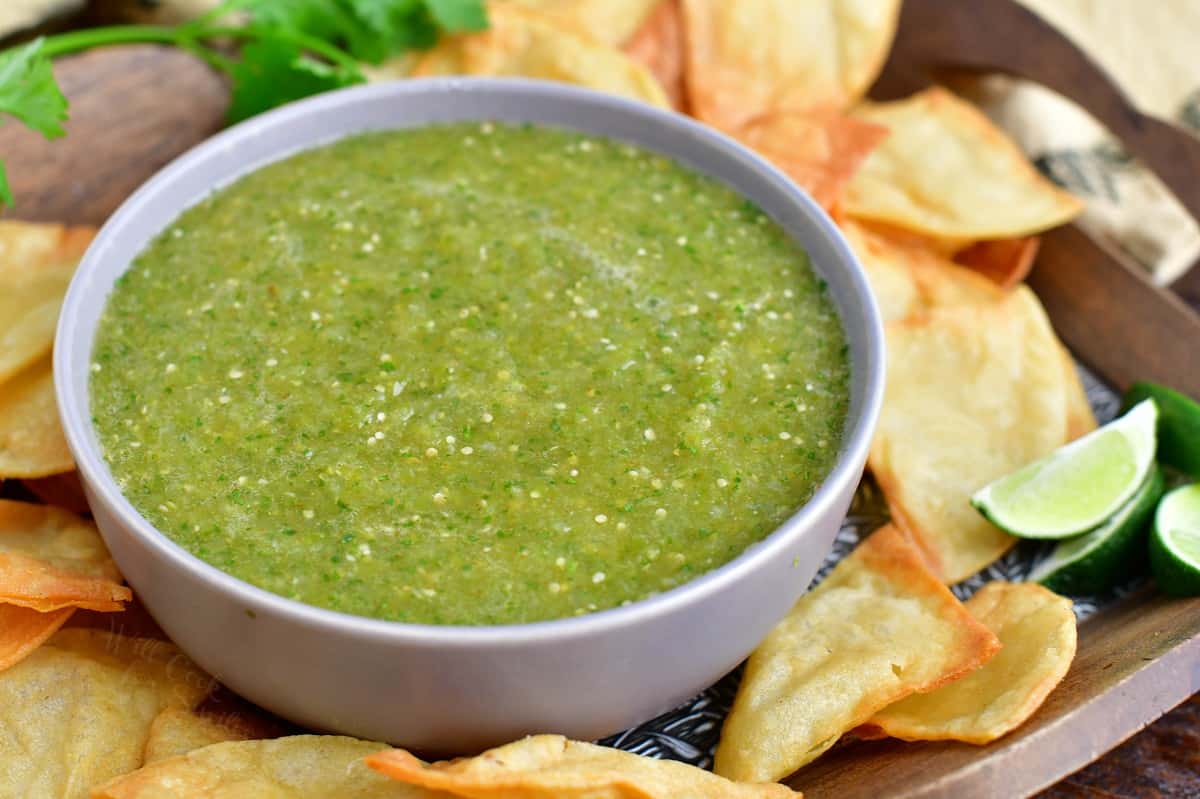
x: 1178, y: 425
x: 1096, y: 561
x: 1078, y: 486
x: 1175, y: 544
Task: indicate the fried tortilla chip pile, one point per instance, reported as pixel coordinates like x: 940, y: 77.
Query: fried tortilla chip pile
x: 51, y: 561
x: 996, y: 390
x: 81, y: 710
x: 36, y: 264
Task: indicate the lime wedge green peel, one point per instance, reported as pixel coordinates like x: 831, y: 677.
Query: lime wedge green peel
x: 1175, y: 543
x: 1178, y: 425
x: 1079, y: 486
x: 1096, y: 561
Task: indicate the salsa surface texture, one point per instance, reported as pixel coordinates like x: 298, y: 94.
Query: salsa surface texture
x: 470, y: 374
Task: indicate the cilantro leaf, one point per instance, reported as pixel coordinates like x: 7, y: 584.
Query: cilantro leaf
x: 29, y: 92
x: 370, y: 30
x: 329, y: 20
x: 418, y: 31
x: 415, y: 30
x: 382, y: 16
x: 274, y: 70
x: 459, y: 15
x: 398, y: 25
x: 324, y: 19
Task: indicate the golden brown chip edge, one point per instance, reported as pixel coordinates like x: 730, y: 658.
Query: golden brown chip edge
x: 23, y: 630
x: 877, y: 729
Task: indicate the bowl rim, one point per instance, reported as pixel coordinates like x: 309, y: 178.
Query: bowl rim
x: 76, y: 419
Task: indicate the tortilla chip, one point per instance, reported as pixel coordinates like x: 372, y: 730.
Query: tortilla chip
x: 1037, y: 630
x: 658, y: 46
x: 819, y: 149
x: 395, y: 68
x: 1080, y: 418
x: 947, y: 171
x: 613, y: 22
x: 295, y: 767
x: 1006, y: 262
x: 23, y: 630
x: 180, y: 682
x: 941, y: 283
x: 552, y: 767
x: 753, y: 57
x: 177, y: 731
x: 36, y: 264
x: 878, y: 628
x: 78, y: 710
x: 32, y: 443
x: 524, y: 43
x: 51, y: 559
x: 888, y: 273
x: 939, y: 245
x: 909, y: 280
x: 61, y: 490
x: 973, y: 393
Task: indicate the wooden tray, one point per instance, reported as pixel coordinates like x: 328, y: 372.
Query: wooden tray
x: 134, y: 109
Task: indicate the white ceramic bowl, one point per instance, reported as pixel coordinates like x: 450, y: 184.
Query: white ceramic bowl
x: 456, y: 689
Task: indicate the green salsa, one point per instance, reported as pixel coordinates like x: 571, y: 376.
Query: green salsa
x: 470, y: 374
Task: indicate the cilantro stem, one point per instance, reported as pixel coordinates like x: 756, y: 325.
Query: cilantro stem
x: 208, y: 55
x: 188, y: 37
x: 302, y: 40
x: 63, y: 43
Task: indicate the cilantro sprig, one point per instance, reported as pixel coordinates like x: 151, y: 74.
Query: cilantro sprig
x: 274, y: 51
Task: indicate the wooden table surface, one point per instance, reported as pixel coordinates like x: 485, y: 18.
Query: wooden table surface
x: 1161, y: 761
